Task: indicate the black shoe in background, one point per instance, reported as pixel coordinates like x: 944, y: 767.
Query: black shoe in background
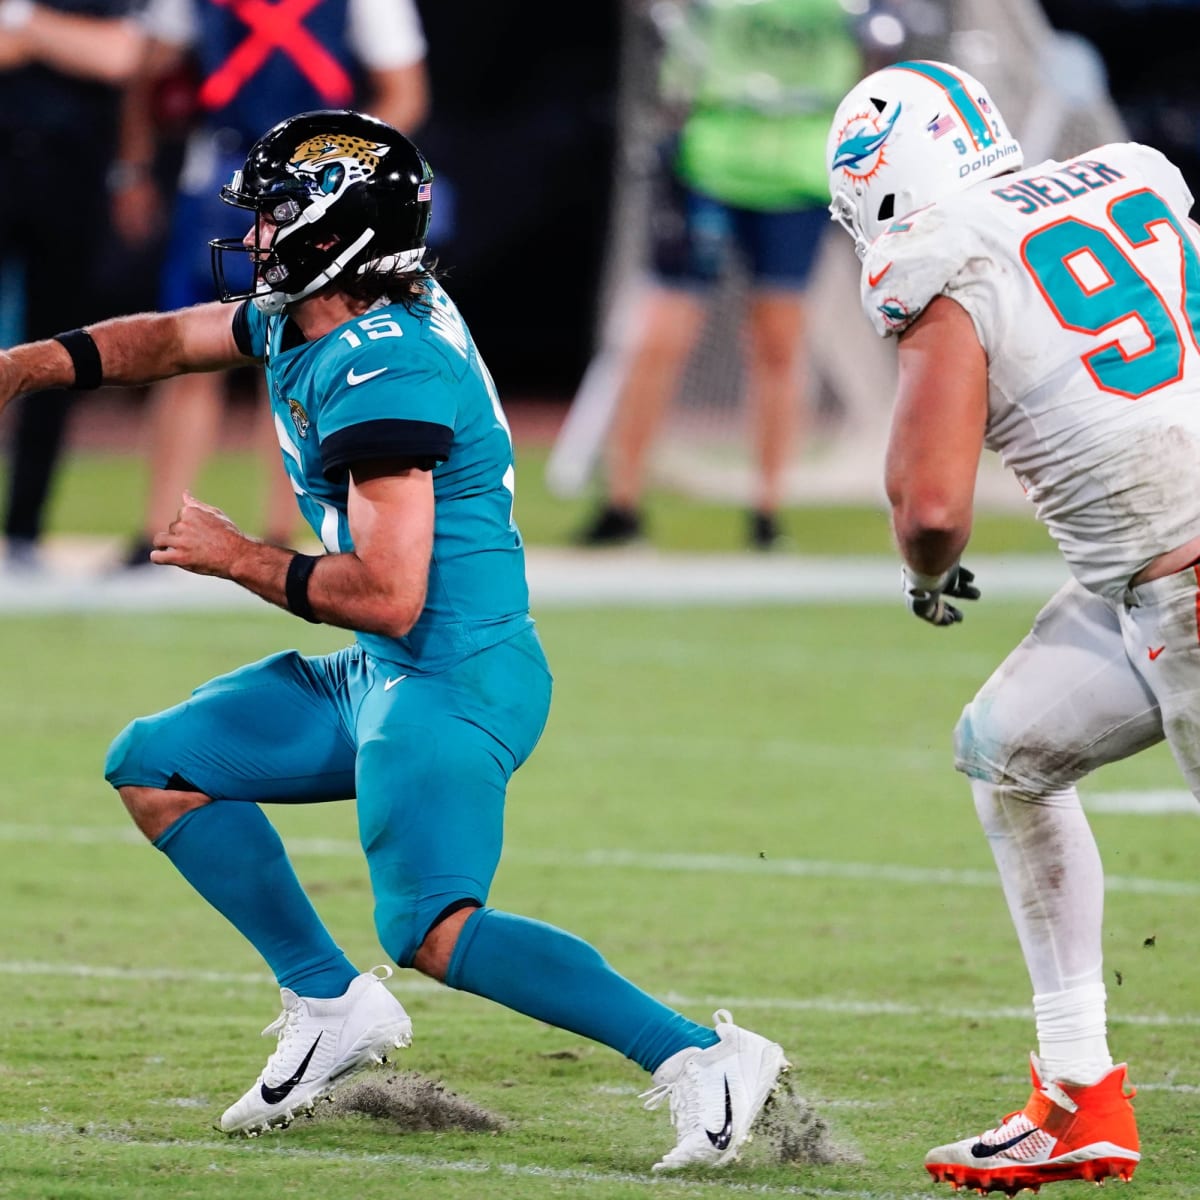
x: 138, y: 554
x: 765, y: 533
x: 22, y: 556
x: 612, y: 526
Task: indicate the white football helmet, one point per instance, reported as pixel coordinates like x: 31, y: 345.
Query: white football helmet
x: 906, y: 136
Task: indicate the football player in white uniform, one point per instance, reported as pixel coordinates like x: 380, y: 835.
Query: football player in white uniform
x: 1052, y: 314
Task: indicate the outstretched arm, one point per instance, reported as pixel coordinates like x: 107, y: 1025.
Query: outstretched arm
x: 128, y: 350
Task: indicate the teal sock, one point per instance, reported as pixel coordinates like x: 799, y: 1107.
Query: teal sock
x: 556, y: 977
x: 232, y: 855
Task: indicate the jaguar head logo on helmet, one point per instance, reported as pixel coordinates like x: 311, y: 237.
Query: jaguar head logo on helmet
x: 333, y: 192
x: 905, y: 137
x: 328, y: 164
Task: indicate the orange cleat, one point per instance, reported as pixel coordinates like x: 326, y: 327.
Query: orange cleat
x: 1066, y: 1131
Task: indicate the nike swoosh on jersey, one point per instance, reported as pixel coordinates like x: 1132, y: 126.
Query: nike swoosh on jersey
x: 724, y: 1135
x: 873, y: 280
x: 391, y: 683
x: 1154, y: 652
x: 352, y: 377
x: 983, y: 1150
x: 281, y: 1091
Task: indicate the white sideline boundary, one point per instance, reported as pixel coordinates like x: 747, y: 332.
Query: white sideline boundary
x: 557, y: 578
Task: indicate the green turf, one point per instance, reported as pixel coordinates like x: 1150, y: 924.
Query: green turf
x: 102, y: 494
x: 725, y: 801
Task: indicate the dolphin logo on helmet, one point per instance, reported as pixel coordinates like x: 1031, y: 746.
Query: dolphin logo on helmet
x: 892, y: 151
x: 860, y: 145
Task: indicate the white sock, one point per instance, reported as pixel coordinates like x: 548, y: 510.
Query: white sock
x: 1073, y: 1034
x: 1052, y: 878
x: 1054, y: 883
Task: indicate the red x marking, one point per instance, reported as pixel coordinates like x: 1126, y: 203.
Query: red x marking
x: 276, y: 27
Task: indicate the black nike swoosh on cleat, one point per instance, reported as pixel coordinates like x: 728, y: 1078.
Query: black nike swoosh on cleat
x: 273, y: 1095
x: 724, y: 1136
x: 983, y: 1150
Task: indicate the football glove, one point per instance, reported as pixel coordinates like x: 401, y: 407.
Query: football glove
x: 925, y: 595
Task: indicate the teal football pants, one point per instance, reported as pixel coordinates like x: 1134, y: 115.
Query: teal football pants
x: 428, y: 758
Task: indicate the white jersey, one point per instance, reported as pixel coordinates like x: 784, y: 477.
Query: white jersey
x: 1082, y: 279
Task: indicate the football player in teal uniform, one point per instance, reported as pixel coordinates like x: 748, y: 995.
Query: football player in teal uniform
x: 400, y: 456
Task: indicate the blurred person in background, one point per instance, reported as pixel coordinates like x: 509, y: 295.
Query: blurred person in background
x: 1048, y: 313
x: 751, y: 87
x: 61, y: 65
x: 254, y: 66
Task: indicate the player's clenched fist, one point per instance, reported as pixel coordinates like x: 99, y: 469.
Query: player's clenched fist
x: 201, y: 539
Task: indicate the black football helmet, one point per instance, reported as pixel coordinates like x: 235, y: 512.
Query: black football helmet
x: 344, y: 191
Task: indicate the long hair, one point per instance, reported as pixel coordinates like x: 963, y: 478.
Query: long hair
x: 409, y: 289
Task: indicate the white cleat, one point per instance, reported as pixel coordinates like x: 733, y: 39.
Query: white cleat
x: 716, y: 1094
x: 322, y: 1043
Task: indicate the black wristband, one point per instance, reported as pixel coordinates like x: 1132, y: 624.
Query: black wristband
x: 85, y: 357
x: 296, y: 585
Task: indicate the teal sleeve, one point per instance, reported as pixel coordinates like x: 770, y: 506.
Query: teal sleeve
x: 400, y: 413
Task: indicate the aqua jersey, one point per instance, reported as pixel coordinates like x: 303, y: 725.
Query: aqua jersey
x: 763, y: 81
x: 408, y: 384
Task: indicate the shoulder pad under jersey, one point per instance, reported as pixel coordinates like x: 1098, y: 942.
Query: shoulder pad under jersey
x: 913, y: 261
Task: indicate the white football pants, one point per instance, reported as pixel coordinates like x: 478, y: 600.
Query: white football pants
x: 1094, y: 681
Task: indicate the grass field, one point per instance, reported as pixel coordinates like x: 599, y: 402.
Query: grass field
x: 744, y: 808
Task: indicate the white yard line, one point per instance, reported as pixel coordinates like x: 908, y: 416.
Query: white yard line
x: 726, y: 864
x: 1151, y: 803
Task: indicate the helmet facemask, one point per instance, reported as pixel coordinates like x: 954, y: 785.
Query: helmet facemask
x: 284, y: 271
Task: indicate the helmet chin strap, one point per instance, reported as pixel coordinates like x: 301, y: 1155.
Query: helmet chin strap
x: 272, y: 302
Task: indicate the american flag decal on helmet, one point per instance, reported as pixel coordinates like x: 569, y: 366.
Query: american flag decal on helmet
x: 940, y: 125
x: 424, y: 191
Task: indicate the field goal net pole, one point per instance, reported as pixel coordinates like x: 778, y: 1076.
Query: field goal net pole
x: 577, y: 449
x: 1052, y: 89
